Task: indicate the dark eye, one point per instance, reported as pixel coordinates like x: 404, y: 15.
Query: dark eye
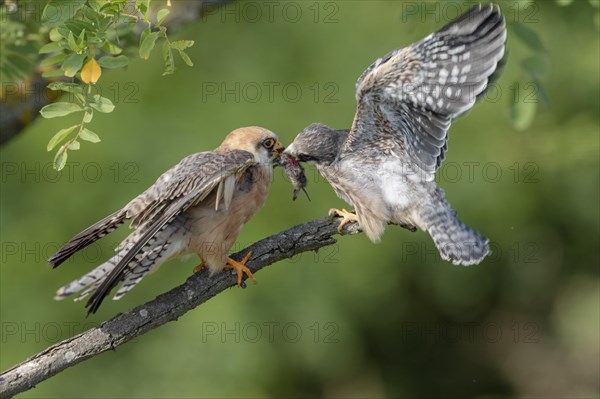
x: 269, y: 143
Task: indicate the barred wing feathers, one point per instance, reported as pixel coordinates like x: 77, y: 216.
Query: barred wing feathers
x: 418, y: 90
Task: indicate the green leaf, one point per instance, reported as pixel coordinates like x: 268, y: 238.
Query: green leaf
x: 53, y: 73
x: 88, y: 135
x: 541, y: 94
x: 55, y: 35
x: 60, y: 136
x: 59, y: 109
x: 55, y: 59
x: 87, y: 117
x: 112, y: 48
x: 182, y: 44
x: 595, y: 3
x: 564, y: 3
x: 50, y: 48
x: 90, y: 12
x: 113, y: 62
x: 73, y: 145
x: 185, y: 58
x: 60, y: 159
x: 81, y: 36
x: 63, y: 31
x: 80, y: 97
x: 78, y: 26
x: 528, y: 36
x: 102, y: 104
x: 143, y: 6
x: 537, y: 66
x: 161, y: 15
x: 109, y: 8
x: 66, y: 87
x: 169, y: 61
x: 72, y: 64
x: 147, y: 44
x: 522, y: 109
x: 58, y: 11
x: 72, y: 43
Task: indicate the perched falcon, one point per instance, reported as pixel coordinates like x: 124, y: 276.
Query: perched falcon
x: 384, y: 165
x: 197, y: 207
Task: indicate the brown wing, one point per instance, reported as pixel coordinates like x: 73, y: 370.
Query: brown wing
x: 185, y: 185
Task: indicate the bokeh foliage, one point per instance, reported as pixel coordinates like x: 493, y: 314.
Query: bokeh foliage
x: 387, y: 320
x: 80, y: 38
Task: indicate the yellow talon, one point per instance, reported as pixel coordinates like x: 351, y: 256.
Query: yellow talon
x: 346, y: 216
x: 241, y: 268
x: 200, y: 266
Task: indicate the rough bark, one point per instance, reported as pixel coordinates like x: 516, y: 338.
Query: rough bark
x: 167, y: 307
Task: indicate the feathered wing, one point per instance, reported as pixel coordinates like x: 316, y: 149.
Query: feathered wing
x: 416, y: 91
x: 185, y: 185
x: 88, y: 236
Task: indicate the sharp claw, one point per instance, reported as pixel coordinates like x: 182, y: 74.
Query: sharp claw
x: 241, y: 269
x: 346, y: 216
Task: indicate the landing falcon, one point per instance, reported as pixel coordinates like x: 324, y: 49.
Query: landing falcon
x: 385, y: 164
x: 197, y: 207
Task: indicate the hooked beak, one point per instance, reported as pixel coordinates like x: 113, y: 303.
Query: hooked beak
x: 277, y: 149
x: 291, y: 150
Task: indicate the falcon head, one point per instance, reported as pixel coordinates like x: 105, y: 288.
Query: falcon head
x: 317, y: 144
x: 262, y: 143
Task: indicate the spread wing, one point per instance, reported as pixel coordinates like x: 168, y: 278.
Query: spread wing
x: 186, y: 184
x: 407, y: 99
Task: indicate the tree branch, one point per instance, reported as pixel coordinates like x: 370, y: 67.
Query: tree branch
x: 167, y: 307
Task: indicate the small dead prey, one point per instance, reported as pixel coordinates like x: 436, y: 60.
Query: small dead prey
x: 294, y: 171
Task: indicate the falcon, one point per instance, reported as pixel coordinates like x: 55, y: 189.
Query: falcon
x: 197, y: 207
x: 384, y: 165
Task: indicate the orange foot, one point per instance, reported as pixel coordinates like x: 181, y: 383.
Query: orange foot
x: 200, y: 266
x: 241, y: 268
x: 347, y: 217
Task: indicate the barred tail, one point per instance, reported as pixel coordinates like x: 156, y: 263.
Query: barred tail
x: 89, y: 281
x: 138, y: 268
x: 456, y: 242
x: 88, y: 236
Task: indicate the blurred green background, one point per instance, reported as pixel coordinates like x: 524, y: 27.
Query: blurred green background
x: 355, y: 319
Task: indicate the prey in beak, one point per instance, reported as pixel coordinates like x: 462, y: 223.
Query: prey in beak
x: 294, y: 171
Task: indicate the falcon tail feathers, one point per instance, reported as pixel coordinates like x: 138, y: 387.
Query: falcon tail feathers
x: 88, y: 236
x: 89, y: 281
x: 455, y: 241
x: 136, y: 270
